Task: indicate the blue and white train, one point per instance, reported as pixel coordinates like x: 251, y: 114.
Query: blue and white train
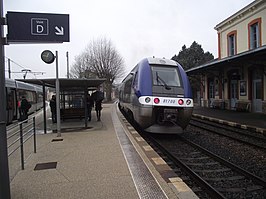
x: 14, y: 92
x: 157, y: 96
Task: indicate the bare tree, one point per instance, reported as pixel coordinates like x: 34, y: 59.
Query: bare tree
x: 79, y: 66
x: 100, y: 59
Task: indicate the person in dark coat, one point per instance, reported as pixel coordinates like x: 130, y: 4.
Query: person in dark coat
x: 53, y: 108
x: 98, y: 97
x: 24, y: 108
x: 98, y: 109
x: 90, y: 104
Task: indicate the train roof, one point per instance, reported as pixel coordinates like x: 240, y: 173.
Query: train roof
x: 10, y: 83
x: 25, y: 86
x: 161, y: 61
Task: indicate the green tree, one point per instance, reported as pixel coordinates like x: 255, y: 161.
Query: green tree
x: 192, y: 56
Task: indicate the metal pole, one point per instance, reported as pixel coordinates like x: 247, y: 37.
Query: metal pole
x: 57, y: 99
x: 34, y: 134
x: 21, y: 146
x: 44, y: 109
x: 67, y: 65
x: 86, y: 106
x: 9, y: 69
x: 4, y: 171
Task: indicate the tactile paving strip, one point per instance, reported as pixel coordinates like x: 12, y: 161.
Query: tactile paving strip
x: 145, y: 183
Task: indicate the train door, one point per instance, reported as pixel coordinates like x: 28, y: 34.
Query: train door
x: 233, y: 94
x: 11, y: 105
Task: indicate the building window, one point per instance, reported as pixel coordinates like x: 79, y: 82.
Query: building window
x: 211, y: 90
x: 254, y: 36
x: 231, y: 41
x: 254, y: 33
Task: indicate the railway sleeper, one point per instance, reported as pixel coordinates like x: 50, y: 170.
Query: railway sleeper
x: 225, y: 179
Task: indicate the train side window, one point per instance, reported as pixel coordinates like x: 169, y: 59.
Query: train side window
x: 128, y: 85
x: 30, y: 96
x: 135, y: 82
x: 40, y: 97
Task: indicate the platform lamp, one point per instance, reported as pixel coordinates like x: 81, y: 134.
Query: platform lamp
x: 48, y: 57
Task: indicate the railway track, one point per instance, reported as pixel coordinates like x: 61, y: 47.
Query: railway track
x: 214, y: 175
x: 213, y: 165
x: 240, y: 135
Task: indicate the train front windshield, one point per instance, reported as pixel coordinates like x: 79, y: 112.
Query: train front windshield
x: 165, y: 76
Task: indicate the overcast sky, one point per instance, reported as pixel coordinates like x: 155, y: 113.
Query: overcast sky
x: 137, y: 28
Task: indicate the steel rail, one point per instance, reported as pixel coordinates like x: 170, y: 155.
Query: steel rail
x: 236, y: 168
x: 229, y: 136
x: 200, y: 181
x: 229, y: 128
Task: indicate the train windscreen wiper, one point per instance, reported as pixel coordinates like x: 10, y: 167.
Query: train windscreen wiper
x: 162, y: 81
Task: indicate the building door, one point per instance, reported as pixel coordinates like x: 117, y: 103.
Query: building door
x: 233, y: 94
x: 257, y: 96
x: 211, y: 93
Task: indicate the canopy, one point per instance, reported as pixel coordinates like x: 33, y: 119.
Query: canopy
x: 67, y: 84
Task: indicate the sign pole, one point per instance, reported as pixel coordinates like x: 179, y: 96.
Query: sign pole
x: 67, y: 65
x: 4, y: 171
x: 58, y: 124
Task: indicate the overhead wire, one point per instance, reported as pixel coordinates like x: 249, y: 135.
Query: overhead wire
x: 19, y: 65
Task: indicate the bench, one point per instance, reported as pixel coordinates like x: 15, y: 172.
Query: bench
x: 243, y: 106
x: 218, y: 104
x: 72, y: 113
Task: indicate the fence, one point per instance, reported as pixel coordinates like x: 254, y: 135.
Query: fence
x: 17, y: 136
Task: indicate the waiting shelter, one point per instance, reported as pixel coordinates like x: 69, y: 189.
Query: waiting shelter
x: 73, y: 95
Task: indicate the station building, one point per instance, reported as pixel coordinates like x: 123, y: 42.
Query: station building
x: 236, y: 80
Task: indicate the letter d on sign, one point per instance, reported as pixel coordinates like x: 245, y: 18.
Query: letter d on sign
x: 39, y: 29
x: 39, y: 26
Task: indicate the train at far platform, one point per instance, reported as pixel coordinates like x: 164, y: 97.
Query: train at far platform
x: 14, y: 92
x: 157, y: 96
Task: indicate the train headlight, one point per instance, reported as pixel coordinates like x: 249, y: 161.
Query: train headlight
x: 156, y: 100
x: 188, y: 102
x: 180, y: 102
x: 147, y: 99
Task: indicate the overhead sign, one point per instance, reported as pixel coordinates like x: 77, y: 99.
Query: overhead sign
x: 37, y: 27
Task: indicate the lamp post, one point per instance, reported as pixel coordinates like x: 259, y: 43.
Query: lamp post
x: 58, y: 124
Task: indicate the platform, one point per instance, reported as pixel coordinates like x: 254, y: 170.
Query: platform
x: 107, y: 160
x: 253, y: 121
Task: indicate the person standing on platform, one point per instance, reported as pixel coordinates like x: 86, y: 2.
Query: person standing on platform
x: 53, y: 108
x: 19, y: 109
x: 24, y: 107
x: 98, y: 109
x: 98, y: 97
x: 90, y: 104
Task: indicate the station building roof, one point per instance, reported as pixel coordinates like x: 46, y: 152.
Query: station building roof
x: 67, y: 84
x: 252, y: 57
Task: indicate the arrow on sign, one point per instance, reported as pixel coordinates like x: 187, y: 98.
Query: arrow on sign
x: 60, y: 31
